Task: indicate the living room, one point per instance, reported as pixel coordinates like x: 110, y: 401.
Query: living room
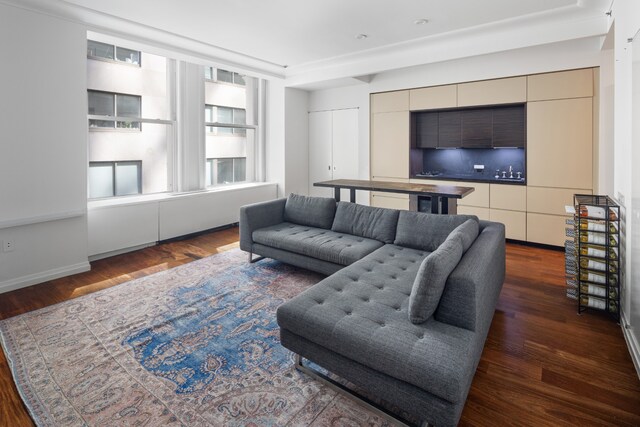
x: 293, y: 93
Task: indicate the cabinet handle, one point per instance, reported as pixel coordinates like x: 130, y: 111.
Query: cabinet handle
x: 329, y: 167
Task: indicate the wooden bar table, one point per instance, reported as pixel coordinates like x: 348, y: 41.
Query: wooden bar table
x: 443, y: 197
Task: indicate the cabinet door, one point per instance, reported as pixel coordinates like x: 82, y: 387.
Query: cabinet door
x: 320, y: 146
x: 481, y: 213
x: 426, y: 130
x: 498, y: 91
x: 429, y: 98
x: 508, y: 126
x: 390, y: 101
x: 390, y: 200
x: 559, y: 143
x: 551, y: 200
x: 515, y: 223
x: 477, y: 129
x: 449, y: 129
x: 559, y: 85
x: 509, y: 197
x: 390, y: 145
x: 546, y: 229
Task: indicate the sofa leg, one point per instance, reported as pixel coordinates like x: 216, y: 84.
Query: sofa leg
x: 252, y: 259
x: 345, y: 391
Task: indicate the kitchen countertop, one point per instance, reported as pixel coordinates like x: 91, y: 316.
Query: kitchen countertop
x: 472, y: 178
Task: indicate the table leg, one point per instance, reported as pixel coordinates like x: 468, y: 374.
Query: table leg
x: 352, y: 192
x: 435, y: 204
x: 336, y: 193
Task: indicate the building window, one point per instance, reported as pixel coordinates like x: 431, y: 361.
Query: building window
x: 105, y: 51
x: 110, y: 179
x: 220, y: 75
x: 114, y: 105
x: 226, y: 170
x: 225, y: 115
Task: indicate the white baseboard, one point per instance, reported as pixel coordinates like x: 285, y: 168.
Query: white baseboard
x: 44, y: 276
x: 120, y: 251
x: 632, y: 342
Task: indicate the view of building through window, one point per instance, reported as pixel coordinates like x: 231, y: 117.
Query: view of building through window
x: 230, y: 115
x: 132, y: 123
x: 130, y: 127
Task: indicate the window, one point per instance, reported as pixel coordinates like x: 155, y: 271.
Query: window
x: 220, y: 75
x: 226, y: 170
x: 225, y: 115
x: 114, y: 105
x: 109, y: 179
x: 99, y: 50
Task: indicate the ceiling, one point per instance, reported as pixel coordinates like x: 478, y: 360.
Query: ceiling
x: 297, y: 33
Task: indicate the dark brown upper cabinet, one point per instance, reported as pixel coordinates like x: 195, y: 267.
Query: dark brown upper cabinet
x: 426, y: 130
x: 509, y: 126
x: 482, y: 127
x: 449, y: 129
x: 477, y: 128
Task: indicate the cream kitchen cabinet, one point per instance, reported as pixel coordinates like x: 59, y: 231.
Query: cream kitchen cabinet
x: 429, y: 98
x: 390, y: 145
x: 561, y: 85
x: 488, y: 92
x: 559, y: 143
x: 481, y: 213
x: 509, y: 197
x: 515, y: 223
x: 387, y: 102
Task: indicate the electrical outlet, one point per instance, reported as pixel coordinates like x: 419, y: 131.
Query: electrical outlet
x: 8, y: 245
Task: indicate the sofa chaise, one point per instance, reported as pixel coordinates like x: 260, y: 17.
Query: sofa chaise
x: 407, y: 304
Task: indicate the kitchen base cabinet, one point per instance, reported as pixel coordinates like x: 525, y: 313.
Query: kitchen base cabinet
x: 546, y: 229
x: 515, y: 223
x: 390, y: 201
x: 508, y: 197
x: 481, y: 213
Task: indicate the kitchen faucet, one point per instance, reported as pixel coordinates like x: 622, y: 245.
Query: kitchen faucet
x: 510, y: 172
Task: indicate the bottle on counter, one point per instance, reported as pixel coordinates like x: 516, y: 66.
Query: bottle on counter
x: 591, y: 225
x: 599, y: 291
x: 600, y: 304
x: 594, y: 264
x: 598, y: 251
x: 599, y: 278
x: 597, y: 212
x: 597, y: 238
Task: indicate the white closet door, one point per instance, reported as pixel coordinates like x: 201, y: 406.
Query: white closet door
x: 345, y: 146
x: 320, y: 166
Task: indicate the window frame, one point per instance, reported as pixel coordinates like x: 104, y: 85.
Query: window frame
x: 234, y: 77
x: 115, y: 55
x: 115, y: 118
x: 238, y: 129
x: 214, y: 170
x: 114, y: 165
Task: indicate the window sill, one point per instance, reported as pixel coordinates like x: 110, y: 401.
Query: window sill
x: 154, y: 198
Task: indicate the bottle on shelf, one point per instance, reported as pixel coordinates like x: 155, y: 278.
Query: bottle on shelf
x: 599, y: 265
x: 597, y: 212
x: 598, y: 251
x: 599, y: 291
x: 597, y: 238
x: 600, y: 278
x: 591, y: 225
x: 599, y: 303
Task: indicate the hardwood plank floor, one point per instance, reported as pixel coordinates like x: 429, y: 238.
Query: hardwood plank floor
x: 542, y: 363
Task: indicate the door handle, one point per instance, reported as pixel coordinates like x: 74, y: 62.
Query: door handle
x: 329, y: 167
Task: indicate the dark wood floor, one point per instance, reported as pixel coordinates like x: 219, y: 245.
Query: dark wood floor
x: 542, y: 363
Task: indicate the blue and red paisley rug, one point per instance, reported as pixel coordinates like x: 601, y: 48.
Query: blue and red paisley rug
x: 196, y: 345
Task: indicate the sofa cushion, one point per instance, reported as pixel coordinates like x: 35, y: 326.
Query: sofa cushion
x: 419, y: 230
x: 319, y: 243
x: 366, y: 221
x: 311, y: 211
x: 467, y: 232
x: 360, y: 312
x: 432, y: 276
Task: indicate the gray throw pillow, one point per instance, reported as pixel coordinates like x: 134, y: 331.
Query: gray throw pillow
x: 310, y: 211
x: 425, y: 231
x: 366, y: 221
x: 432, y: 277
x: 468, y: 232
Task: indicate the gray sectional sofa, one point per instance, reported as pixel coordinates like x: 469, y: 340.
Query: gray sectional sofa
x: 406, y: 308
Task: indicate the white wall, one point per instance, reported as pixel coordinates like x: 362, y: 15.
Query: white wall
x: 275, y: 135
x: 296, y: 152
x: 626, y: 14
x: 43, y: 160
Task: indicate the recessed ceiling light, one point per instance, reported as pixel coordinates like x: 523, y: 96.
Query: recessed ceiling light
x: 421, y: 21
x: 361, y: 36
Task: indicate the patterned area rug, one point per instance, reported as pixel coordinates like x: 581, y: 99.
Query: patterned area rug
x: 196, y: 345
